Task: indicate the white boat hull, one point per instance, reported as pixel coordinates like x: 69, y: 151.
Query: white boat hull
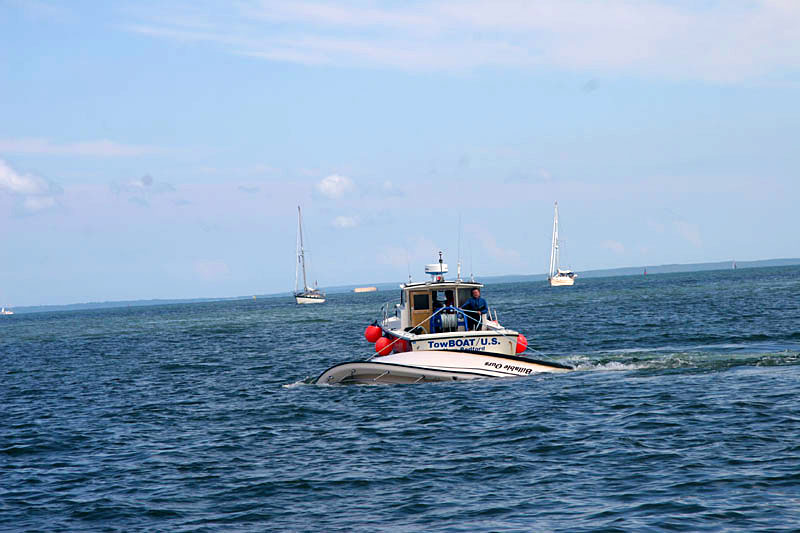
x: 434, y: 365
x: 561, y: 281
x: 309, y: 300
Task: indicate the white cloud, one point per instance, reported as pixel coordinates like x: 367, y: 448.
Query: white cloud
x: 390, y: 189
x: 140, y: 190
x: 655, y: 225
x: 491, y: 246
x: 720, y: 41
x: 211, y: 270
x: 689, y: 232
x: 335, y: 186
x: 257, y: 169
x: 343, y: 222
x: 416, y: 253
x: 37, y: 203
x: 98, y: 148
x: 20, y: 183
x: 614, y: 246
x: 37, y: 194
x: 249, y: 189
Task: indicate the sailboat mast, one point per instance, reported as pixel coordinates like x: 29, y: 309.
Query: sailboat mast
x: 302, y: 256
x: 554, y: 244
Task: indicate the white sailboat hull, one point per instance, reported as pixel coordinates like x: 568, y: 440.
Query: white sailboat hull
x: 309, y: 299
x: 561, y: 281
x: 434, y: 365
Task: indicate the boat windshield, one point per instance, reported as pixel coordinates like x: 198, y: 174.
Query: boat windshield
x: 443, y: 298
x: 464, y: 294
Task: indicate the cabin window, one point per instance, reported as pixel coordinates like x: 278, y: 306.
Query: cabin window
x: 464, y: 294
x: 422, y: 301
x: 442, y: 298
x: 402, y: 298
x: 438, y: 299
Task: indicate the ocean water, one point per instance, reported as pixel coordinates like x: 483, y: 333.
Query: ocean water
x: 683, y: 415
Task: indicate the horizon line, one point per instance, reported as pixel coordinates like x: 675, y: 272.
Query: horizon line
x: 605, y: 272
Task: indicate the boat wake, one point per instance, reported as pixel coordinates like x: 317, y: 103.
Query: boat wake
x: 701, y: 361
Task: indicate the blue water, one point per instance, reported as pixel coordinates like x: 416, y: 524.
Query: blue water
x: 684, y: 415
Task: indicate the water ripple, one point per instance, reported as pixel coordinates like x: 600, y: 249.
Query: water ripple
x: 682, y: 416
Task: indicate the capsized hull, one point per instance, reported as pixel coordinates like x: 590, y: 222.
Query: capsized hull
x: 433, y: 365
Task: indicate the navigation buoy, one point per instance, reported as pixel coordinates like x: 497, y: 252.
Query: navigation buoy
x: 372, y: 333
x: 383, y: 346
x: 522, y: 343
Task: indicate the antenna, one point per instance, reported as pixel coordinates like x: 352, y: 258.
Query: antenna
x: 471, y: 275
x: 458, y: 271
x: 408, y: 265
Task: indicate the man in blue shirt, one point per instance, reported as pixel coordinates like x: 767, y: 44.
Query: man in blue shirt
x: 475, y: 307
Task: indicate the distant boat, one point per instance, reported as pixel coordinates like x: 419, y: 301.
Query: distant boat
x: 645, y: 271
x: 558, y: 276
x: 308, y: 295
x: 6, y: 312
x: 365, y: 289
x: 734, y: 265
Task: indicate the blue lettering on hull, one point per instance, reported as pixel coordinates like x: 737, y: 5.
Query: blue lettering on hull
x: 470, y: 345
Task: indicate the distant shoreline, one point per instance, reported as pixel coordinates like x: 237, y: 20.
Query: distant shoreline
x: 598, y: 273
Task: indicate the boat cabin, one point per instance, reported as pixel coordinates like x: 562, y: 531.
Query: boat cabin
x: 419, y: 303
x: 435, y: 306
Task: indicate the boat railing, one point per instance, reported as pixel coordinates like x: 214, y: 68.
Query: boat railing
x: 463, y: 318
x: 449, y: 310
x: 385, y: 309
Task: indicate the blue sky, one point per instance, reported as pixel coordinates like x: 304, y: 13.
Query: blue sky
x: 159, y: 149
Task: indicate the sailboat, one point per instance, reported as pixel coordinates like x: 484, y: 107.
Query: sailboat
x: 558, y: 276
x: 5, y: 311
x: 308, y: 295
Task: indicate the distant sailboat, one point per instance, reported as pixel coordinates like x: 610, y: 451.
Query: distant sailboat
x: 558, y: 276
x: 6, y: 312
x: 308, y: 295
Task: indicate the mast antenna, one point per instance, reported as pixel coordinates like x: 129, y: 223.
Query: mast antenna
x: 471, y: 275
x: 458, y: 271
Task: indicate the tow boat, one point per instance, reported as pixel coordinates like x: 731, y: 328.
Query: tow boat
x: 428, y: 336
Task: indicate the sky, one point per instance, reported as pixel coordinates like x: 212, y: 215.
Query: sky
x: 160, y: 149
